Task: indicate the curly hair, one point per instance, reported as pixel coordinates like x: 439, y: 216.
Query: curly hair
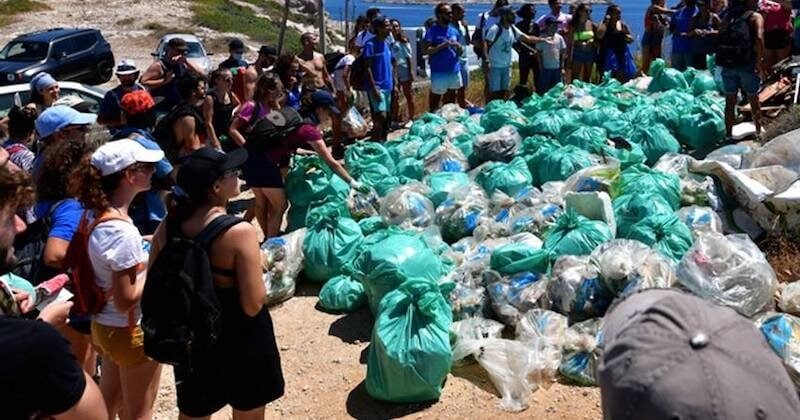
x: 21, y: 122
x: 91, y: 188
x: 58, y: 163
x: 16, y: 189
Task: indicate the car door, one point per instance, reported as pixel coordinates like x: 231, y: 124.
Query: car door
x: 63, y: 67
x: 83, y: 55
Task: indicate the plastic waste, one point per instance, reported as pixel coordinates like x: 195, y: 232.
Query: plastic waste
x: 548, y: 122
x: 363, y: 204
x: 643, y: 180
x: 592, y: 139
x: 700, y: 219
x: 664, y: 232
x: 342, y: 294
x: 281, y: 262
x: 790, y: 298
x: 409, y: 355
x: 654, y: 139
x: 475, y: 329
x: 512, y: 296
x: 371, y: 225
x: 367, y: 152
x: 376, y: 176
x: 518, y: 257
x: 468, y: 302
x: 626, y: 266
x: 729, y: 270
x: 510, y: 178
x: 581, y: 352
x: 391, y: 258
x: 702, y: 124
x: 536, y: 219
x: 574, y: 234
x: 452, y: 112
x: 542, y: 324
x: 427, y: 126
x: 665, y: 78
x: 403, y: 147
x: 320, y: 209
x: 408, y: 207
x: 499, y: 146
x: 446, y: 158
x: 458, y: 215
x: 703, y: 82
x: 310, y: 180
x: 557, y: 163
x: 330, y: 247
x: 596, y: 116
x: 500, y: 114
x: 782, y: 332
x: 631, y: 208
x: 409, y: 169
x: 575, y: 289
x: 443, y: 183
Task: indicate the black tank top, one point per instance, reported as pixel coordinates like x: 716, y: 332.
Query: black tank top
x: 222, y: 115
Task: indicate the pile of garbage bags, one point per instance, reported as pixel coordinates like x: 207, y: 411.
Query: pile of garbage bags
x: 504, y: 238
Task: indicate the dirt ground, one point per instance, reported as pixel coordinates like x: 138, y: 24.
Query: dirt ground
x: 324, y: 364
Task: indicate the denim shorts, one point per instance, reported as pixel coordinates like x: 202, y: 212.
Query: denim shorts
x: 736, y: 78
x: 464, y: 75
x: 381, y: 104
x: 584, y: 54
x: 499, y: 78
x: 442, y: 82
x: 652, y: 39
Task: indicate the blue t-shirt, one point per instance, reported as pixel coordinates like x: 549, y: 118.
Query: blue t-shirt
x: 681, y: 21
x: 446, y: 60
x: 379, y: 56
x: 154, y: 208
x: 109, y: 106
x: 65, y: 218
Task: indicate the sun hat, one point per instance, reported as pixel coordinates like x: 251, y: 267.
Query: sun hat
x: 203, y: 167
x: 669, y: 354
x: 42, y: 81
x: 117, y: 155
x: 126, y: 67
x: 137, y: 102
x: 57, y: 117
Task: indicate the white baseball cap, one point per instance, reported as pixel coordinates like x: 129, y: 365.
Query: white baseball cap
x: 117, y: 155
x: 126, y: 67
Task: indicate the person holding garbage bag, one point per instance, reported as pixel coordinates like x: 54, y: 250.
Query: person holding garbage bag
x: 271, y: 134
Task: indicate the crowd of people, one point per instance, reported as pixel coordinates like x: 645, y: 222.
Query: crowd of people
x: 179, y: 141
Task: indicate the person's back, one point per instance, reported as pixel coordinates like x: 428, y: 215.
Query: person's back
x: 681, y: 44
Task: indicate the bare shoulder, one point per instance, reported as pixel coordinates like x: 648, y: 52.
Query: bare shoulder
x: 240, y: 235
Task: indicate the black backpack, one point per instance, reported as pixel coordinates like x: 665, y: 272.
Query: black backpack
x: 181, y: 313
x: 358, y: 74
x: 164, y: 133
x: 332, y: 59
x: 29, y: 249
x: 269, y: 131
x: 735, y: 43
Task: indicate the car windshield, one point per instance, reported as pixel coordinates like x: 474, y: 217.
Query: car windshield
x: 24, y: 51
x: 195, y: 50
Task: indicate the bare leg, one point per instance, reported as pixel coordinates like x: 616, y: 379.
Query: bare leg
x: 81, y: 346
x: 277, y: 205
x: 379, y: 122
x: 755, y: 107
x: 182, y: 416
x: 139, y: 389
x: 449, y: 97
x: 261, y: 209
x: 395, y: 108
x: 433, y: 104
x: 646, y: 60
x: 111, y: 388
x: 407, y: 91
x: 730, y: 113
x: 254, y: 414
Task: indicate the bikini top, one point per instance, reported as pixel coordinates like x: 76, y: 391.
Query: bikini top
x: 584, y: 36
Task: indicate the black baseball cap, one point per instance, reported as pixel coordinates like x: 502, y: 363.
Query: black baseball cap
x: 267, y: 50
x: 203, y: 167
x: 323, y: 99
x: 668, y: 354
x: 236, y: 44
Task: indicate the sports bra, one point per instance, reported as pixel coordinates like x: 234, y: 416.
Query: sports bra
x: 584, y: 36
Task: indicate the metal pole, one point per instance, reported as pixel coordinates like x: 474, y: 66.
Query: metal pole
x: 282, y: 35
x: 322, y: 26
x: 346, y: 24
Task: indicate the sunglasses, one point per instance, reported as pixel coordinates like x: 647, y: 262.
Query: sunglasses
x: 143, y: 167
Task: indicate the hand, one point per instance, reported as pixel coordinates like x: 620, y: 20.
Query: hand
x: 359, y: 186
x: 376, y: 93
x: 56, y: 314
x: 169, y: 76
x: 23, y: 299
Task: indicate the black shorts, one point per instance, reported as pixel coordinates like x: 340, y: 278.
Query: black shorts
x: 777, y: 39
x: 260, y: 172
x: 245, y: 373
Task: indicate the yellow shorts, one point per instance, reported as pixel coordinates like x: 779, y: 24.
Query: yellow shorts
x: 123, y: 346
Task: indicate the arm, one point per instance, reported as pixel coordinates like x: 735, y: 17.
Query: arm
x: 54, y: 251
x: 601, y: 30
x: 407, y: 47
x: 155, y: 77
x: 758, y: 26
x: 323, y: 152
x: 346, y: 77
x: 90, y: 407
x: 192, y: 67
x: 127, y: 286
x: 248, y: 267
x: 235, y: 131
x: 208, y: 118
x: 327, y: 76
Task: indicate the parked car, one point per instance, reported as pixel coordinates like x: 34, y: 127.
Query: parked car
x: 82, y: 97
x: 197, y: 53
x: 81, y: 55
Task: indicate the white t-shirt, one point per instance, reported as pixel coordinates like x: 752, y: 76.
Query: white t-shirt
x: 115, y: 245
x: 338, y: 72
x: 502, y: 42
x: 550, y: 52
x: 563, y: 20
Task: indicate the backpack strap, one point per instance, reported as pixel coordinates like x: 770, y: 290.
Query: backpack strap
x: 215, y: 228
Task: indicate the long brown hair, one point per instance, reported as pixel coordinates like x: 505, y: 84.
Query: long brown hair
x: 91, y: 188
x: 59, y: 161
x: 265, y: 83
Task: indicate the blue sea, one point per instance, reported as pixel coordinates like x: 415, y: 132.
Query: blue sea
x: 412, y: 15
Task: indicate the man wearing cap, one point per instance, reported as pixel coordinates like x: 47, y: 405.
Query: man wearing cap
x: 236, y: 58
x: 59, y: 122
x: 671, y: 355
x: 110, y: 114
x: 318, y: 106
x: 161, y: 77
x: 148, y: 209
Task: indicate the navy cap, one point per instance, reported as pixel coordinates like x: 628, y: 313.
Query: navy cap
x: 323, y: 99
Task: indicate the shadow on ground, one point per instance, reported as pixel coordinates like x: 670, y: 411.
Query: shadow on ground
x: 475, y: 374
x: 361, y: 406
x: 354, y: 327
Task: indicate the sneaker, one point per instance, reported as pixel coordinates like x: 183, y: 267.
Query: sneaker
x: 408, y: 124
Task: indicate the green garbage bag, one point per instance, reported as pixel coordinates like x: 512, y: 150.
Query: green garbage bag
x: 427, y: 126
x: 442, y: 183
x: 655, y: 140
x: 665, y: 233
x: 371, y: 225
x: 309, y: 179
x: 533, y: 144
x: 392, y: 257
x: 510, y: 178
x: 376, y: 176
x: 548, y: 122
x: 619, y: 127
x: 319, y: 209
x: 409, y: 169
x: 367, y: 152
x: 330, y: 246
x: 296, y: 218
x: 410, y: 354
x: 557, y: 163
x: 502, y: 113
x: 640, y: 179
x: 405, y: 146
x: 598, y: 115
x: 703, y: 125
x: 574, y: 234
x: 631, y: 208
x: 342, y: 294
x: 466, y: 144
x: 628, y: 153
x: 702, y: 83
x: 591, y: 139
x: 665, y: 78
x: 536, y: 104
x: 657, y: 112
x: 516, y: 258
x: 428, y: 146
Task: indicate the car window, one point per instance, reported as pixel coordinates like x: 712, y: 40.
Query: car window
x: 24, y: 51
x: 195, y: 50
x: 90, y: 103
x: 62, y: 46
x: 84, y: 42
x: 7, y: 101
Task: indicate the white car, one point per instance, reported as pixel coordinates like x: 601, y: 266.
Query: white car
x: 197, y: 53
x: 82, y: 97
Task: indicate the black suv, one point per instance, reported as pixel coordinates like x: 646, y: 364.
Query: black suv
x: 68, y: 54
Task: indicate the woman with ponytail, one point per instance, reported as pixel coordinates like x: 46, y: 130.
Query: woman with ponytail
x: 106, y: 184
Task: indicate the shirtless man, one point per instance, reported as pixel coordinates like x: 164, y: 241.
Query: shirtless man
x: 246, y: 86
x: 162, y: 76
x: 312, y: 63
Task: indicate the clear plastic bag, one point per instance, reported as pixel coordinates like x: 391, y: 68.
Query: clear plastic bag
x: 458, y: 215
x: 536, y: 219
x: 790, y: 298
x: 782, y: 332
x: 500, y: 146
x: 354, y: 125
x: 700, y: 219
x: 407, y: 206
x: 581, y: 352
x: 363, y: 205
x: 446, y: 158
x: 452, y: 112
x: 729, y: 270
x: 468, y: 302
x: 281, y: 262
x: 575, y: 289
x: 542, y: 324
x: 627, y: 265
x: 511, y: 296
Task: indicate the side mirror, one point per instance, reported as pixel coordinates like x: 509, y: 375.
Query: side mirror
x: 154, y: 54
x: 209, y: 53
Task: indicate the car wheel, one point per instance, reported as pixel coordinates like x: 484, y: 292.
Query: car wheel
x: 104, y: 71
